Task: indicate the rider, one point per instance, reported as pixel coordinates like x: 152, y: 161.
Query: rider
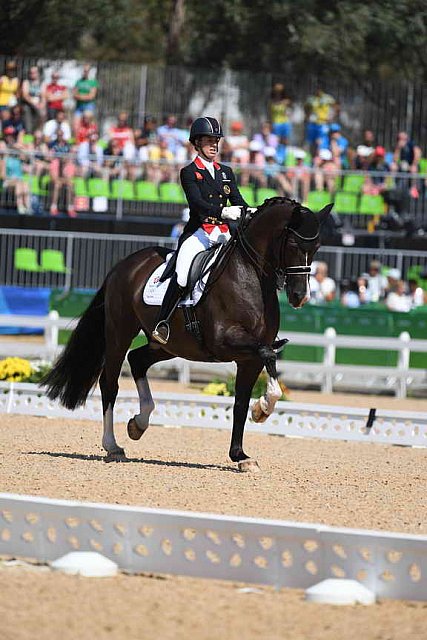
x: 207, y: 185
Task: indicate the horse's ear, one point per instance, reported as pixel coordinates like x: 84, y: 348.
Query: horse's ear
x: 324, y: 213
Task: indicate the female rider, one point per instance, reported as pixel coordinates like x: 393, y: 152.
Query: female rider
x: 208, y: 186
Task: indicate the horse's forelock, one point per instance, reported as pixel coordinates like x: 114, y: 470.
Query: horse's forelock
x: 305, y: 222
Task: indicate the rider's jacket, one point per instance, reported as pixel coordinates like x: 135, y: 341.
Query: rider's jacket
x: 206, y: 195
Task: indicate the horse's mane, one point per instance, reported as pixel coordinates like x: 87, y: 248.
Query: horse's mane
x: 302, y: 219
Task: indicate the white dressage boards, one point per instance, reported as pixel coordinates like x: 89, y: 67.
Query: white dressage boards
x: 289, y: 419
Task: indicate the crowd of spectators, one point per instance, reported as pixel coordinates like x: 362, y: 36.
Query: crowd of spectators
x: 377, y: 285
x: 41, y: 135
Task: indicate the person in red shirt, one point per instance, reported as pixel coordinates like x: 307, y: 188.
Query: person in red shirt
x: 122, y: 132
x: 86, y: 127
x: 54, y: 96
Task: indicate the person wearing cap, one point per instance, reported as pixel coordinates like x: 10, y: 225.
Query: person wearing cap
x: 54, y: 95
x: 325, y: 173
x: 338, y: 146
x: 208, y: 187
x: 9, y: 86
x: 377, y: 282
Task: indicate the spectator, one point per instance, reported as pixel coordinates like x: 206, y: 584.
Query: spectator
x: 239, y: 143
x: 398, y: 299
x: 122, y: 133
x: 39, y: 166
x: 90, y: 157
x: 62, y: 170
x: 393, y: 277
x: 12, y: 170
x: 9, y: 86
x: 280, y: 113
x: 320, y: 111
x: 362, y: 158
x: 113, y: 159
x: 416, y: 293
x: 85, y: 93
x: 255, y: 175
x: 377, y: 283
x: 325, y: 174
x: 149, y: 130
x: 322, y: 288
x: 338, y: 146
x: 52, y: 128
x: 54, y: 95
x: 300, y: 176
x: 162, y: 163
x: 179, y: 226
x: 406, y: 158
x: 276, y: 178
x: 139, y: 166
x: 86, y: 127
x: 33, y: 100
x: 265, y: 137
x: 15, y: 122
x: 174, y: 137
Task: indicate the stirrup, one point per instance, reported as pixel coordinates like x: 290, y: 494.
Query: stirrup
x: 159, y: 335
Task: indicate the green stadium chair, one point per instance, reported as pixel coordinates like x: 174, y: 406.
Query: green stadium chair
x: 80, y: 187
x: 371, y: 205
x: 172, y: 192
x: 422, y: 167
x: 353, y: 183
x: 345, y: 202
x: 316, y: 200
x: 98, y: 187
x: 248, y: 195
x: 26, y: 260
x: 122, y: 190
x: 52, y: 260
x: 263, y: 194
x: 290, y: 159
x: 28, y: 138
x: 147, y: 191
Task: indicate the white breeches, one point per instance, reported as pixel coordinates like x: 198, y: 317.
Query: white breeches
x: 199, y: 241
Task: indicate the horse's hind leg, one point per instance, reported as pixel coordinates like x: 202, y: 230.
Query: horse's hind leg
x: 115, y: 352
x: 247, y: 374
x: 140, y: 360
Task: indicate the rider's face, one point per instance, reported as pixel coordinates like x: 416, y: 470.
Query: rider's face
x: 208, y: 145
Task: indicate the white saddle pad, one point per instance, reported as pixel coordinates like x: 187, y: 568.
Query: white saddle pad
x: 155, y: 290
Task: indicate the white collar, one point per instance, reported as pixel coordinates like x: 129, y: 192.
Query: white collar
x: 209, y: 165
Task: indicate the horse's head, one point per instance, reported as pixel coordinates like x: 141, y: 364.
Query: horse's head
x: 299, y: 244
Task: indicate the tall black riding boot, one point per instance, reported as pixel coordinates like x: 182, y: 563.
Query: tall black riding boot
x: 170, y: 302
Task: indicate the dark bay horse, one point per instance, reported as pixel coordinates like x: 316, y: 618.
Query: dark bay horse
x: 239, y: 318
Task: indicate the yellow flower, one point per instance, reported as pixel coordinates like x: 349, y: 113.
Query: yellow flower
x: 15, y: 369
x: 216, y: 389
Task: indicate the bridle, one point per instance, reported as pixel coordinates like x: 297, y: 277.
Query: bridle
x: 265, y: 267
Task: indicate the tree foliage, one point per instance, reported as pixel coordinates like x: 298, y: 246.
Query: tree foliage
x: 344, y: 38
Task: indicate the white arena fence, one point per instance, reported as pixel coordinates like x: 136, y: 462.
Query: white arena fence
x: 290, y: 419
x: 88, y: 257
x: 269, y: 552
x: 326, y: 375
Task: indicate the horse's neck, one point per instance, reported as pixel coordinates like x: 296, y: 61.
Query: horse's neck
x: 265, y: 228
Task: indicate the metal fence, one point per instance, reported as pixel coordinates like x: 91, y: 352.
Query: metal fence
x: 88, y: 257
x: 384, y: 106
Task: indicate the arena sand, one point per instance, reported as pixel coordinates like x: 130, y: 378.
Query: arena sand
x: 337, y: 483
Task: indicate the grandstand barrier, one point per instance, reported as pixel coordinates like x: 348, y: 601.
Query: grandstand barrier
x: 251, y: 550
x: 325, y: 374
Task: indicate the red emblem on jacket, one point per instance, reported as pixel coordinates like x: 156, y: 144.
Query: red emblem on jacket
x: 199, y: 176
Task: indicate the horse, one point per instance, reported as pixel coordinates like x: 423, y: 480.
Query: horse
x: 238, y: 315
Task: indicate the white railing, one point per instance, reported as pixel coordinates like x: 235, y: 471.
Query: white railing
x: 327, y: 374
x: 253, y: 550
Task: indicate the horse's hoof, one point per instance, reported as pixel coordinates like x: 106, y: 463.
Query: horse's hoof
x: 134, y: 432
x: 116, y: 456
x: 258, y: 415
x: 249, y: 466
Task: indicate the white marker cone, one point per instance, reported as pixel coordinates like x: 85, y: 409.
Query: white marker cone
x: 339, y: 591
x: 86, y: 563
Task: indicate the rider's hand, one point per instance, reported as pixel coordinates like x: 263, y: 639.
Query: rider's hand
x: 231, y: 213
x: 251, y: 210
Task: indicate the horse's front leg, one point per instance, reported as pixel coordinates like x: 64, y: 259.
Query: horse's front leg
x: 247, y: 374
x: 264, y: 407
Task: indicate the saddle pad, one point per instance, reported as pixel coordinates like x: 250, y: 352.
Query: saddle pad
x: 155, y: 290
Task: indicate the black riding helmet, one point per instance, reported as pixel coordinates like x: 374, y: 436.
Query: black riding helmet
x: 205, y: 126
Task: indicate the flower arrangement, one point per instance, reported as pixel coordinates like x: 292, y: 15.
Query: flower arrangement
x: 21, y: 370
x: 227, y: 388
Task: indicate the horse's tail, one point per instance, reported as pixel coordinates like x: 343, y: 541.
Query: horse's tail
x: 79, y: 366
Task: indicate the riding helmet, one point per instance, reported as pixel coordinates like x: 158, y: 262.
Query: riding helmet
x: 205, y: 126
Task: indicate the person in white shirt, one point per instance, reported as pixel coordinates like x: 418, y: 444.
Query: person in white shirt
x: 398, y: 299
x: 50, y: 129
x: 322, y: 288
